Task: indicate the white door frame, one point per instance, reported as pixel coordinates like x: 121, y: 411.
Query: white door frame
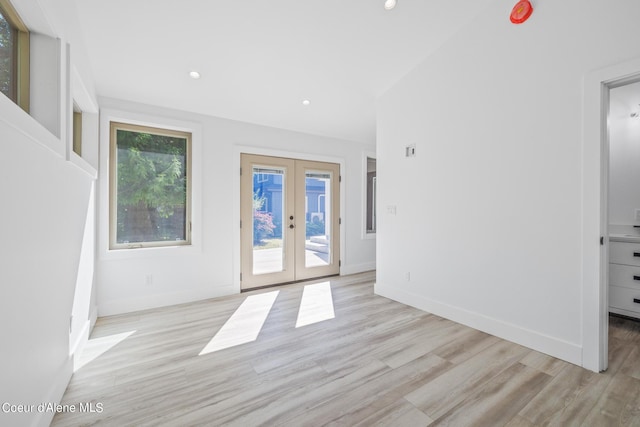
x: 247, y: 149
x: 595, y: 163
x: 294, y: 253
x: 287, y: 270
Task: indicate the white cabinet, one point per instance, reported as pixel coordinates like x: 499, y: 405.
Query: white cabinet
x: 624, y: 278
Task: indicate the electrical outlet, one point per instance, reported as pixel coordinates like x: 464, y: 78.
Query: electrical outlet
x: 391, y: 209
x: 407, y: 276
x: 149, y: 280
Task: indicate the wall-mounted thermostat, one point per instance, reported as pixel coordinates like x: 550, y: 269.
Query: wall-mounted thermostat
x: 410, y: 150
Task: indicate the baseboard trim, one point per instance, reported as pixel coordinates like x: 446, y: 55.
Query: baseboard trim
x: 82, y: 339
x: 357, y: 268
x: 128, y: 305
x: 55, y: 394
x: 93, y: 316
x: 552, y: 346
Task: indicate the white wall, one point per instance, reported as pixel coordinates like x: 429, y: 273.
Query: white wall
x: 624, y: 158
x: 489, y: 212
x: 46, y: 204
x: 46, y: 222
x: 210, y: 267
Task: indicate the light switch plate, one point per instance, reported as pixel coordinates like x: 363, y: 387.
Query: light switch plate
x: 410, y: 150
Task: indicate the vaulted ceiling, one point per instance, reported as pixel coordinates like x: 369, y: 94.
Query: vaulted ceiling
x: 259, y: 60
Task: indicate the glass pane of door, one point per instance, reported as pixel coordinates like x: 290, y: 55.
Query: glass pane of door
x: 317, y: 218
x: 268, y: 219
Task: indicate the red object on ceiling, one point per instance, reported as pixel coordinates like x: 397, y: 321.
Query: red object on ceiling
x: 521, y: 12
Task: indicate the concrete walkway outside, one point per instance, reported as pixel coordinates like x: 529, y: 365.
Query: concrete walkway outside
x: 270, y: 260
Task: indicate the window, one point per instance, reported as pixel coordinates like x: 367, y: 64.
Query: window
x: 77, y: 129
x: 150, y: 187
x: 14, y: 56
x: 371, y: 196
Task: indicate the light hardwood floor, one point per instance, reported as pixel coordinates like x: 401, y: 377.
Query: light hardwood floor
x: 378, y: 362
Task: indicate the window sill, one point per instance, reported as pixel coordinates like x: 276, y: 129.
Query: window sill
x: 20, y: 120
x: 150, y: 252
x: 83, y: 165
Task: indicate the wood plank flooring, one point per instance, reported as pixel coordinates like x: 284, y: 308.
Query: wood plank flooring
x: 377, y: 362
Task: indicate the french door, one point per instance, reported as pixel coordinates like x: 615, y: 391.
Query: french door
x: 289, y: 220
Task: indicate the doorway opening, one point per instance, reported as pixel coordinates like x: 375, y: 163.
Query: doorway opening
x: 289, y: 220
x: 595, y: 201
x: 621, y: 161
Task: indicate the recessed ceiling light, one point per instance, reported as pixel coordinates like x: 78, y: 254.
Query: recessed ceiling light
x: 306, y: 102
x: 194, y: 75
x: 389, y: 4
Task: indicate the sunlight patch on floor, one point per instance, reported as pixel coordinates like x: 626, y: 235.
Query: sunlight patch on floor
x: 245, y: 324
x: 96, y: 347
x: 316, y: 305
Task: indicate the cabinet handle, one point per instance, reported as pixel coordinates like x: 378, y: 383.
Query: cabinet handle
x: 636, y: 254
x: 636, y: 277
x: 636, y: 300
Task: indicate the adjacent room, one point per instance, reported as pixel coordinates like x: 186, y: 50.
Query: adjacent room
x: 390, y: 212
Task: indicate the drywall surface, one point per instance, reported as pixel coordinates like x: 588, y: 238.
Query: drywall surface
x: 624, y: 159
x: 45, y: 203
x: 486, y: 218
x: 47, y: 222
x: 134, y: 279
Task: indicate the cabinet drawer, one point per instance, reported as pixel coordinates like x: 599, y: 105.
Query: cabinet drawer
x: 624, y: 253
x: 624, y: 275
x: 622, y: 298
